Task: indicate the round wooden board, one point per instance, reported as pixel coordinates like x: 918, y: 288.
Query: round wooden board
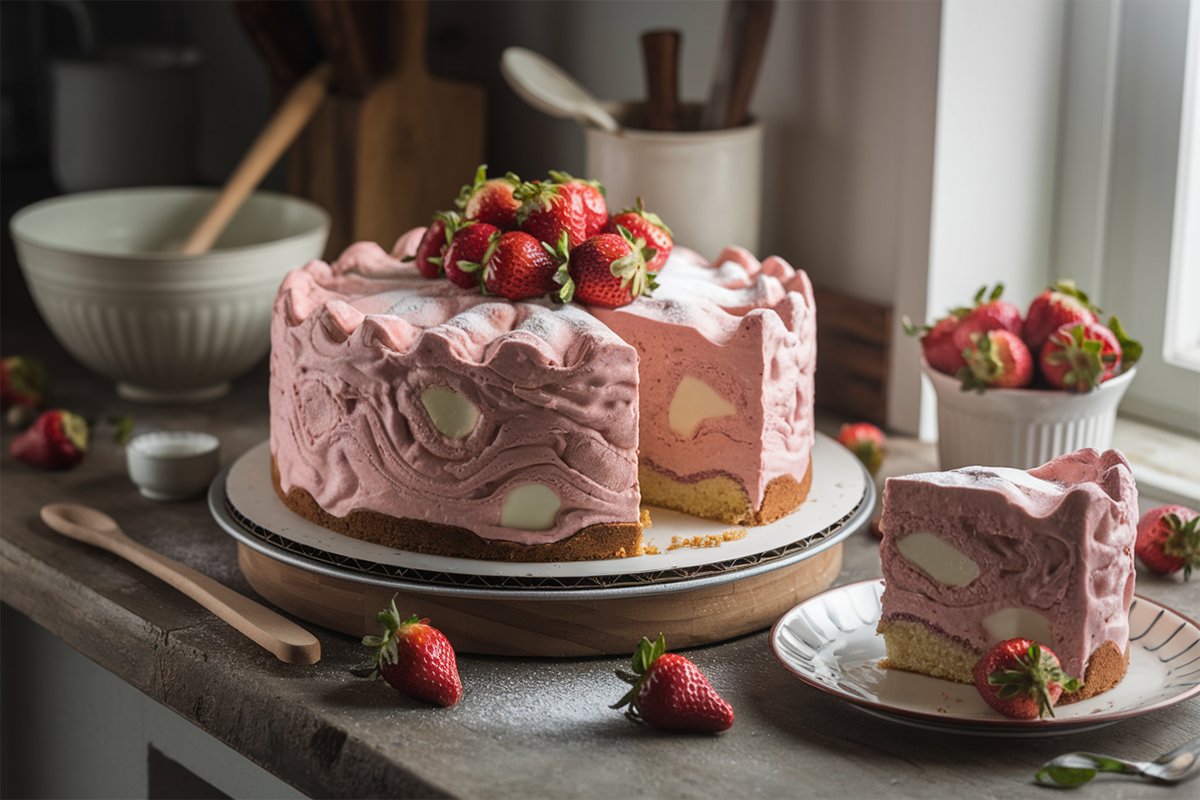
x: 557, y: 625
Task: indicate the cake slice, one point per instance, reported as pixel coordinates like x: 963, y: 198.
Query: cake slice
x: 727, y: 354
x: 977, y: 555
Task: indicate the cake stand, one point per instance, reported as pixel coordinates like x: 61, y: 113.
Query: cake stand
x: 691, y: 595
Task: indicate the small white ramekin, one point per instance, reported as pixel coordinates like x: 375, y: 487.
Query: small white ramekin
x: 170, y: 465
x: 1022, y: 428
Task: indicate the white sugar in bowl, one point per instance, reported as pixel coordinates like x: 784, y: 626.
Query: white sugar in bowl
x: 172, y: 465
x: 167, y: 328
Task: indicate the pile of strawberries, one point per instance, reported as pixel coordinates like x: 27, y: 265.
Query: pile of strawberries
x: 526, y: 239
x: 1059, y: 343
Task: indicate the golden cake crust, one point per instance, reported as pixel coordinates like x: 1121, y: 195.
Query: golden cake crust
x: 723, y: 499
x: 607, y: 540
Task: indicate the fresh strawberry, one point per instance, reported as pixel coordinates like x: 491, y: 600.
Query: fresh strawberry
x: 416, y: 659
x: 937, y: 343
x: 996, y: 359
x: 591, y: 195
x: 1080, y: 356
x: 1168, y: 540
x: 866, y: 441
x: 1022, y: 679
x: 428, y: 258
x: 518, y: 266
x: 549, y: 209
x: 670, y: 693
x: 986, y: 315
x: 57, y: 439
x: 1061, y: 304
x: 607, y: 270
x: 645, y: 225
x: 490, y: 201
x: 22, y: 382
x: 465, y: 253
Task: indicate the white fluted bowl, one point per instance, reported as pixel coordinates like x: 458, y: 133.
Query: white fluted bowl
x: 1022, y: 428
x: 168, y: 328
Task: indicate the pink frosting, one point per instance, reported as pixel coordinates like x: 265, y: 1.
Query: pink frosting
x: 748, y: 330
x: 1057, y: 540
x: 354, y: 345
x: 356, y: 342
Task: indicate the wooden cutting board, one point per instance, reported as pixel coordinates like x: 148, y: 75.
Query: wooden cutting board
x: 389, y: 147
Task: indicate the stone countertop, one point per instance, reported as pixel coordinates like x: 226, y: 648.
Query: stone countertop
x: 527, y: 727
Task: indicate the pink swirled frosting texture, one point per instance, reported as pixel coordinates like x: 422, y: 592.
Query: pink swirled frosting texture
x: 1056, y: 540
x: 748, y: 330
x: 356, y: 343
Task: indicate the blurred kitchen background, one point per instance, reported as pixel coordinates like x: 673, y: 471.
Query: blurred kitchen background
x: 915, y: 150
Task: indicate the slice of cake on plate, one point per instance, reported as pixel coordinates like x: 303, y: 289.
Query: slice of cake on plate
x: 977, y: 555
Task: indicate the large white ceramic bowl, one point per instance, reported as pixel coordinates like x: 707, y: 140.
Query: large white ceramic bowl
x: 168, y: 328
x: 1022, y: 428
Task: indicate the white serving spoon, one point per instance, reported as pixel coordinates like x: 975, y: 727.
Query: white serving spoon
x: 542, y: 83
x: 287, y: 640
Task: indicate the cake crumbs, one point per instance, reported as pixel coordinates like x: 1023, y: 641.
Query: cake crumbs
x: 650, y: 549
x: 645, y: 518
x: 708, y: 540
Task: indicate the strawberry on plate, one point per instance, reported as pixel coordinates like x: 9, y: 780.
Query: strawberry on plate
x: 490, y: 200
x: 519, y: 267
x: 1022, y: 679
x: 996, y: 359
x: 645, y: 225
x: 671, y: 693
x: 1168, y: 540
x: 465, y: 253
x: 415, y: 658
x: 1061, y: 304
x: 56, y: 440
x: 607, y: 270
x: 866, y: 441
x: 22, y: 382
x: 1080, y: 356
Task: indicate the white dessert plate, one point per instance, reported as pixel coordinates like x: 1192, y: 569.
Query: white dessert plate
x: 829, y: 642
x: 840, y: 501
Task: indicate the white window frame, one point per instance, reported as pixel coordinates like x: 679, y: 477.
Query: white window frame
x: 1181, y: 330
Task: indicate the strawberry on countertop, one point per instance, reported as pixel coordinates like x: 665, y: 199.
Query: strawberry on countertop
x: 670, y: 693
x: 1058, y: 305
x: 56, y: 440
x: 490, y: 201
x: 415, y: 658
x: 1168, y: 540
x: 22, y: 382
x: 996, y: 359
x: 646, y: 225
x: 607, y: 270
x: 1022, y: 679
x: 866, y: 441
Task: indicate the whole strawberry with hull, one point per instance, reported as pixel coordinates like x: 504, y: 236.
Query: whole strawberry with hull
x: 607, y: 270
x: 996, y: 359
x: 490, y: 200
x: 437, y: 237
x: 57, y: 440
x: 549, y: 209
x: 866, y: 441
x: 1061, y: 304
x: 1022, y: 679
x: 519, y: 267
x: 643, y: 224
x: 414, y: 658
x: 22, y: 382
x: 1168, y: 540
x: 466, y: 252
x: 989, y: 313
x: 938, y: 345
x: 1080, y: 356
x: 670, y: 693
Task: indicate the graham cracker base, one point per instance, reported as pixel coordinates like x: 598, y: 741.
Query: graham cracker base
x: 606, y: 540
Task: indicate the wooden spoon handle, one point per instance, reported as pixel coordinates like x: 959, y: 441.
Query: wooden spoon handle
x: 284, y: 126
x: 660, y: 53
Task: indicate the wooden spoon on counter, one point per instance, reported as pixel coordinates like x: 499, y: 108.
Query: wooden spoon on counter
x: 287, y: 640
x: 273, y: 141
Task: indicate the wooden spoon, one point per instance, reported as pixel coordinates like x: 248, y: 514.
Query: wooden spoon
x: 287, y: 640
x: 281, y: 130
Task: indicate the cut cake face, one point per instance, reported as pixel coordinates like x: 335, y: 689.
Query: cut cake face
x: 977, y: 555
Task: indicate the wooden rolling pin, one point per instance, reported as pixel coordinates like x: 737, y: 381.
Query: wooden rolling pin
x: 273, y: 141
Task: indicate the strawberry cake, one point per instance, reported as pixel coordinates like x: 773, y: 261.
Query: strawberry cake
x: 430, y: 417
x: 977, y: 555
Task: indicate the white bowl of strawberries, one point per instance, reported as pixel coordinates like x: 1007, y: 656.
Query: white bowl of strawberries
x: 1017, y: 390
